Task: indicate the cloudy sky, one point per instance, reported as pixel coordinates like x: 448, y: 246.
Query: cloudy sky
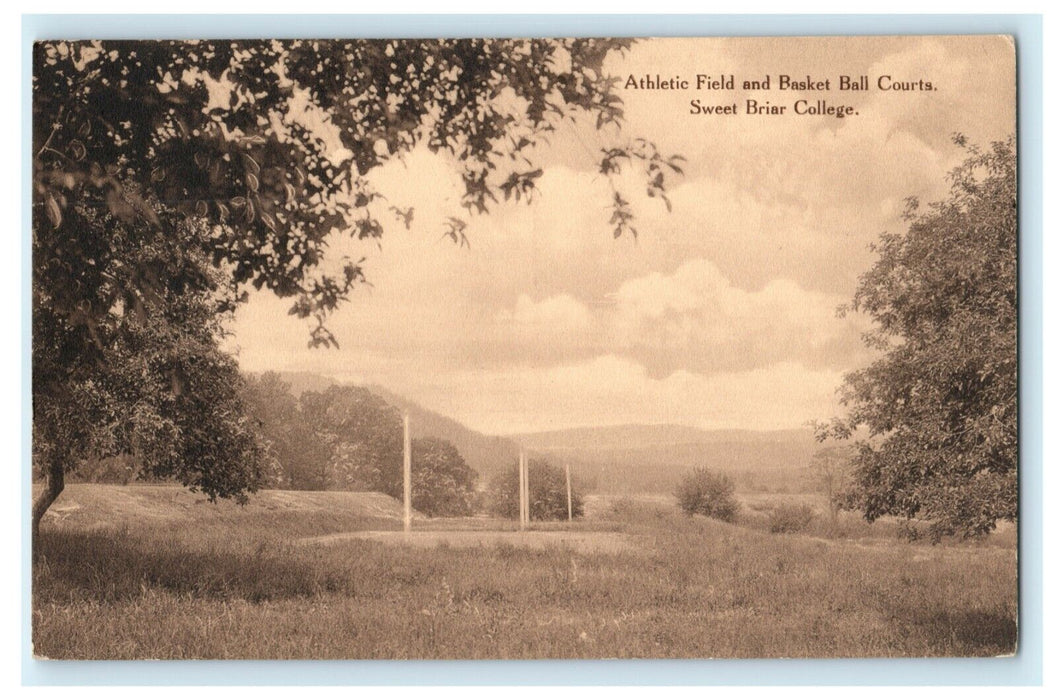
x: 722, y: 313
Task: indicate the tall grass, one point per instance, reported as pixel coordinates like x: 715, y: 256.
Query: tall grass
x: 684, y: 588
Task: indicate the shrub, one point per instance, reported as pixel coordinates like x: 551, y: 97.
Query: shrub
x: 790, y: 518
x: 707, y: 493
x: 547, y: 496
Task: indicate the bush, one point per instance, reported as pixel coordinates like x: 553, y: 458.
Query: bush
x: 707, y: 493
x: 547, y: 497
x: 790, y: 518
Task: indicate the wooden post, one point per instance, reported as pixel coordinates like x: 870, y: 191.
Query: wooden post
x: 568, y: 492
x: 521, y: 491
x: 528, y: 499
x: 407, y: 472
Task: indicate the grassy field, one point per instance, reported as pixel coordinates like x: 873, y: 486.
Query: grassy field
x: 131, y: 572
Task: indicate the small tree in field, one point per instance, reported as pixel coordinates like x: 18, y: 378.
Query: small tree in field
x: 547, y: 493
x: 441, y: 481
x: 708, y: 493
x: 831, y: 469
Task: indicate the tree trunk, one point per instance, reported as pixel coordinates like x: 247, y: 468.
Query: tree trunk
x: 55, y: 485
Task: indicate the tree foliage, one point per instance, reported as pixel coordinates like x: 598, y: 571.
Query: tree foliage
x: 442, y: 484
x: 295, y: 458
x: 939, y: 408
x: 347, y: 438
x: 147, y: 378
x: 216, y: 130
x: 705, y: 492
x: 165, y: 169
x: 362, y: 436
x: 547, y: 492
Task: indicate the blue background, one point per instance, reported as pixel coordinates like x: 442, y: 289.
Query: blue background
x: 1025, y: 668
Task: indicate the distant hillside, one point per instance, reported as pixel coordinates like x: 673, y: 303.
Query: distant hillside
x: 619, y: 458
x: 300, y: 382
x: 653, y: 458
x: 486, y: 454
x: 623, y: 436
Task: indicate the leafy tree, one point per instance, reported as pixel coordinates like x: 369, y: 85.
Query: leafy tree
x: 935, y: 418
x: 145, y: 379
x: 296, y: 458
x: 363, y: 437
x: 708, y: 493
x: 547, y: 493
x: 442, y: 484
x: 348, y: 438
x: 170, y: 168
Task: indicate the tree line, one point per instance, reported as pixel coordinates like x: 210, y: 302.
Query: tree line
x: 346, y: 438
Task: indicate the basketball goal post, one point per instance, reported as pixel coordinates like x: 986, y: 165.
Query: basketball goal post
x: 524, y: 511
x: 407, y: 472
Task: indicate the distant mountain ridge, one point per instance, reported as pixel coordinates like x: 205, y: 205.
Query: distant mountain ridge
x: 653, y: 458
x: 641, y: 435
x: 630, y: 458
x: 488, y: 454
x: 300, y: 382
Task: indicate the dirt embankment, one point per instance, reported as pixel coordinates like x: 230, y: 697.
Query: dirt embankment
x: 89, y: 506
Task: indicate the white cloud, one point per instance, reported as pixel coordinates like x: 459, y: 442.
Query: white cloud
x: 694, y: 318
x: 612, y: 390
x: 720, y: 313
x: 561, y: 312
x: 699, y: 297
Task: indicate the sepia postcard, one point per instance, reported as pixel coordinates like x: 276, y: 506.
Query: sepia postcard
x: 693, y: 348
